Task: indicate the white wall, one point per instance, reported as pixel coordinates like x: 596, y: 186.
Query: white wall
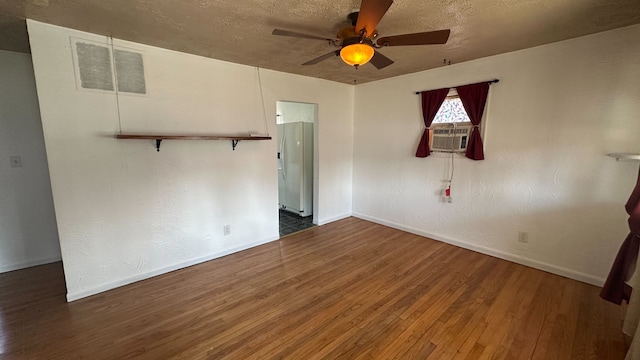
x: 126, y: 212
x: 556, y: 112
x: 28, y: 234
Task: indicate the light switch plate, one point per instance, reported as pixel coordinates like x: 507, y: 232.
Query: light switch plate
x: 16, y: 161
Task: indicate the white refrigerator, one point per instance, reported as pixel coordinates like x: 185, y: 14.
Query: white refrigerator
x: 295, y: 167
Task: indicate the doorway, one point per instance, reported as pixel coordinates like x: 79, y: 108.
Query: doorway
x: 296, y: 169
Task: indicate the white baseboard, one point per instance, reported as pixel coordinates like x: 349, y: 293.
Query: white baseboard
x: 29, y: 263
x: 72, y: 296
x: 554, y: 269
x: 333, y: 218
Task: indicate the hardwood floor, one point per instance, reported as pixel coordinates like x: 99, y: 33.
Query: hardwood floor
x: 347, y: 290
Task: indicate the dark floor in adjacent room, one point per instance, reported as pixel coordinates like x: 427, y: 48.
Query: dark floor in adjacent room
x: 290, y: 222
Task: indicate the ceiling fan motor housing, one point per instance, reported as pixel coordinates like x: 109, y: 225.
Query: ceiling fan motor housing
x: 356, y: 40
x: 350, y: 31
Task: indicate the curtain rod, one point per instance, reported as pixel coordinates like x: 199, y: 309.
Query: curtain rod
x: 490, y: 82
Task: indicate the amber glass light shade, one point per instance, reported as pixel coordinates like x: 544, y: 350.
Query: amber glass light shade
x: 356, y: 54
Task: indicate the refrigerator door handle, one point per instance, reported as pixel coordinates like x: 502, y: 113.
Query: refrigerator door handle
x: 282, y: 159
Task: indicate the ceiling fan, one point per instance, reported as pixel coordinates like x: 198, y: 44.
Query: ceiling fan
x: 358, y: 43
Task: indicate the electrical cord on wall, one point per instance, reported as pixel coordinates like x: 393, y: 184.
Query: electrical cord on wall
x: 453, y: 167
x: 264, y: 109
x: 115, y: 75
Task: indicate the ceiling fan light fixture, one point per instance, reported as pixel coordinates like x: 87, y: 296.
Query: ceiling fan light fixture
x: 357, y: 54
x: 358, y: 42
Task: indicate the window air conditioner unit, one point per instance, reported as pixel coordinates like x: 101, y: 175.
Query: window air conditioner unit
x: 450, y: 137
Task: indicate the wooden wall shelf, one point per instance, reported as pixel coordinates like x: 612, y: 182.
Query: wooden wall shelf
x: 159, y: 138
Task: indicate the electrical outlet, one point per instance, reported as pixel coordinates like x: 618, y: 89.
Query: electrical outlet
x: 227, y: 229
x: 523, y: 236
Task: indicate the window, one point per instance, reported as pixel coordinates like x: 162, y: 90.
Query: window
x: 451, y: 127
x: 451, y: 120
x: 451, y: 110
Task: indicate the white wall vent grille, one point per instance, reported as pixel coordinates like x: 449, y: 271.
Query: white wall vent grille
x: 130, y: 71
x: 94, y: 69
x: 94, y: 66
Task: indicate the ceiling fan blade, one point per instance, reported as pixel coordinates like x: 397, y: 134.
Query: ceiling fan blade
x: 299, y: 35
x: 371, y: 11
x: 424, y: 38
x: 321, y: 58
x: 380, y: 61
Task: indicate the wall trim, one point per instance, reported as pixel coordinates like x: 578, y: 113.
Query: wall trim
x: 72, y: 296
x: 29, y: 263
x: 557, y: 270
x: 334, y: 218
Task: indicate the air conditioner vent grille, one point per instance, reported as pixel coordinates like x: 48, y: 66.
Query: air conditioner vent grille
x: 447, y: 138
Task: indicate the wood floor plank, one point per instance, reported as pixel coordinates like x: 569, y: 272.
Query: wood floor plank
x: 527, y: 337
x: 470, y: 345
x: 565, y: 327
x: 511, y: 299
x: 396, y: 306
x: 354, y: 280
x: 346, y: 290
x: 476, y: 302
x: 553, y: 297
x: 373, y: 308
x: 384, y: 346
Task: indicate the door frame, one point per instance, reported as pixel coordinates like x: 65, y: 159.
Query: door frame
x: 316, y: 166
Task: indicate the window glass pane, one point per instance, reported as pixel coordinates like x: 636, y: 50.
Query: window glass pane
x: 451, y: 110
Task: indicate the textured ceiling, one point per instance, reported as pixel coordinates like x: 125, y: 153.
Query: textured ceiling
x: 13, y: 34
x: 240, y: 30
